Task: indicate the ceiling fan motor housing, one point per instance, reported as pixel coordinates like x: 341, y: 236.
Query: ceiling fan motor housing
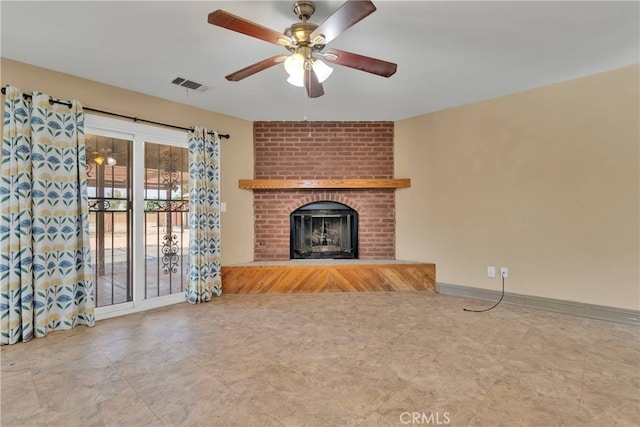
x: 304, y: 9
x: 300, y: 32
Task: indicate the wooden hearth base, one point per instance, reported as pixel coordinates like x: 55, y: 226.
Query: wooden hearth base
x: 327, y: 276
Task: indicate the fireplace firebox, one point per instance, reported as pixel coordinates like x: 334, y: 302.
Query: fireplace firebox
x: 324, y: 229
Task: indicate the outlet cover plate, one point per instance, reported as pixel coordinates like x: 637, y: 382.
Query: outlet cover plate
x: 491, y: 271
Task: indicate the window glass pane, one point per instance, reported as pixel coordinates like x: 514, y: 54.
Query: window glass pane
x: 166, y: 208
x: 109, y: 189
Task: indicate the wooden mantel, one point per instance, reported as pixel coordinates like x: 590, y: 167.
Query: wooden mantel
x: 292, y: 184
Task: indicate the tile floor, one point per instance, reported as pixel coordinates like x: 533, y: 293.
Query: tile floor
x: 333, y: 359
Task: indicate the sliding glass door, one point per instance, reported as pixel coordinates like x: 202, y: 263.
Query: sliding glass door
x: 166, y: 213
x: 138, y: 185
x: 110, y: 219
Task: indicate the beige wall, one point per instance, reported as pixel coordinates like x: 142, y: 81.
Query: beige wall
x: 236, y: 153
x: 545, y: 182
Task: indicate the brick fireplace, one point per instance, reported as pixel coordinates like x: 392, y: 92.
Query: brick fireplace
x: 324, y: 151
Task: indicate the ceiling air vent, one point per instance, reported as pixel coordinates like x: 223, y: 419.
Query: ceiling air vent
x: 190, y: 84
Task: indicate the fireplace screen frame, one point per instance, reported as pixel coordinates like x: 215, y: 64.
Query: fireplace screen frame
x: 324, y: 230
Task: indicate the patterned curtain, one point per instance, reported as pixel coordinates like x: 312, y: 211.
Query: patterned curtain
x: 45, y: 273
x: 204, y: 217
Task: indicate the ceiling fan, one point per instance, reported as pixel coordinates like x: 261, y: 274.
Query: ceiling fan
x: 306, y: 42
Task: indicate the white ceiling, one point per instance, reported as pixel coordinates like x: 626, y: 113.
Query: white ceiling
x: 448, y: 53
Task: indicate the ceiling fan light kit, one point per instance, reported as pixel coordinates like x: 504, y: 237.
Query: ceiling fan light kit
x: 296, y: 80
x: 300, y: 63
x: 322, y: 70
x: 111, y: 161
x: 99, y: 160
x: 102, y: 156
x: 305, y: 41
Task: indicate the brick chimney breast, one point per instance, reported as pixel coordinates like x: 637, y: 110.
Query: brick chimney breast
x: 324, y: 150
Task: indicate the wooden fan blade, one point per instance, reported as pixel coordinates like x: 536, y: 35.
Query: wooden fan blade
x: 235, y: 23
x: 359, y: 62
x: 314, y: 87
x: 254, y: 68
x: 349, y: 14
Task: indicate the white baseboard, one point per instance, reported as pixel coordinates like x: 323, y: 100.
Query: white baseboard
x: 601, y: 312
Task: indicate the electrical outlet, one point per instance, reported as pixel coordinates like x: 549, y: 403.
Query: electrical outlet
x: 504, y: 272
x: 491, y: 271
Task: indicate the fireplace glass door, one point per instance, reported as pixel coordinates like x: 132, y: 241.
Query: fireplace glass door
x: 324, y: 230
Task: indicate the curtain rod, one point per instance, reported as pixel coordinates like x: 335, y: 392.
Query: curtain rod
x: 135, y: 119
